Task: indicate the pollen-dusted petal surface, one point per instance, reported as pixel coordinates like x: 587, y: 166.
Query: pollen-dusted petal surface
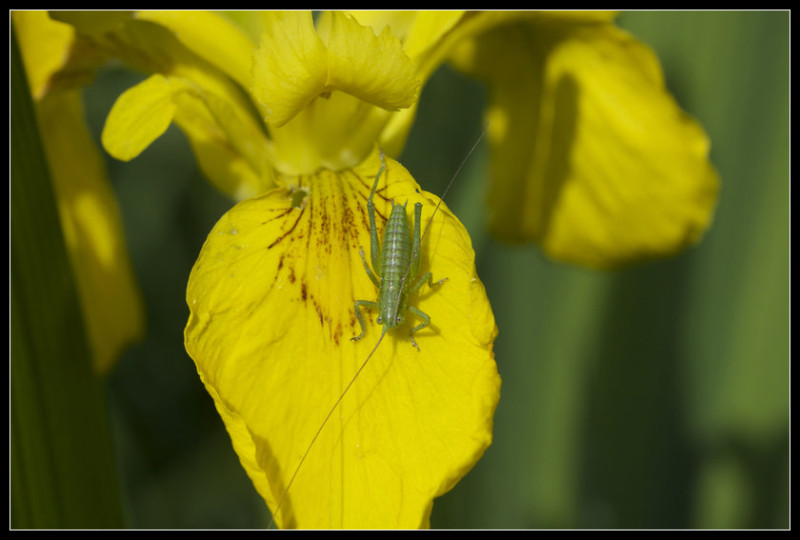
x: 592, y: 157
x: 272, y: 313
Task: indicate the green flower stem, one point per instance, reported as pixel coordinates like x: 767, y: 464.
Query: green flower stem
x: 62, y: 471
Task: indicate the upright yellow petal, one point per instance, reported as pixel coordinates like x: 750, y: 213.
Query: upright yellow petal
x: 373, y: 68
x: 422, y: 35
x: 295, y: 65
x: 272, y: 313
x: 328, y: 92
x: 290, y: 67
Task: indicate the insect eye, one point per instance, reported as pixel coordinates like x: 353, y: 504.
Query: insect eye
x: 379, y: 320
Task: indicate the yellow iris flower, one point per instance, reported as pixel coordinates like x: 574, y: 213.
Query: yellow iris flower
x: 591, y: 158
x: 272, y: 298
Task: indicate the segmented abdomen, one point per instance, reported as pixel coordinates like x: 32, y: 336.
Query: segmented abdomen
x: 395, y: 261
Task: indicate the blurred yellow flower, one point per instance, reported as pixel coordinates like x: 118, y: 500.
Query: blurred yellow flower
x: 591, y: 156
x: 57, y: 68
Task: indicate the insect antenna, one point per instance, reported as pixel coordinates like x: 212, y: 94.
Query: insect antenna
x: 316, y: 435
x: 453, y: 179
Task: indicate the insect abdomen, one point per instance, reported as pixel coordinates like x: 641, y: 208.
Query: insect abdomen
x: 395, y: 263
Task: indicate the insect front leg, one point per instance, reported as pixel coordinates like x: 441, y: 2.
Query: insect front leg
x: 374, y: 244
x: 358, y: 305
x: 370, y: 273
x: 427, y: 276
x: 375, y: 253
x: 426, y: 319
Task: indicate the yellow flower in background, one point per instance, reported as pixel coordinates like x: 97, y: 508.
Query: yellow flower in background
x: 591, y: 156
x: 57, y: 68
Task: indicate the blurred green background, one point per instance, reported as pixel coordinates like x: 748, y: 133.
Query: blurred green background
x: 654, y: 397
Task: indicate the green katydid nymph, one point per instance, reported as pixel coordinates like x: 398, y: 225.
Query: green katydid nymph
x: 395, y: 264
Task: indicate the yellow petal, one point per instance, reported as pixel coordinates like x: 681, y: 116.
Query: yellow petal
x: 294, y: 65
x: 592, y: 157
x: 428, y: 29
x: 371, y: 67
x: 214, y: 113
x: 422, y: 35
x: 56, y: 58
x: 211, y: 36
x: 110, y: 299
x: 332, y: 133
x: 290, y: 67
x: 139, y: 116
x: 44, y: 44
x: 272, y: 313
x: 365, y: 77
x: 231, y: 150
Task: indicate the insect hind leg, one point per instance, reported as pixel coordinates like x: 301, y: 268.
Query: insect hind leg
x: 374, y: 243
x: 370, y: 273
x: 428, y: 276
x: 426, y: 319
x: 358, y: 305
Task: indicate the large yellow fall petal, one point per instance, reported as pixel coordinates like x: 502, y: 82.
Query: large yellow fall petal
x: 592, y: 157
x: 272, y: 313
